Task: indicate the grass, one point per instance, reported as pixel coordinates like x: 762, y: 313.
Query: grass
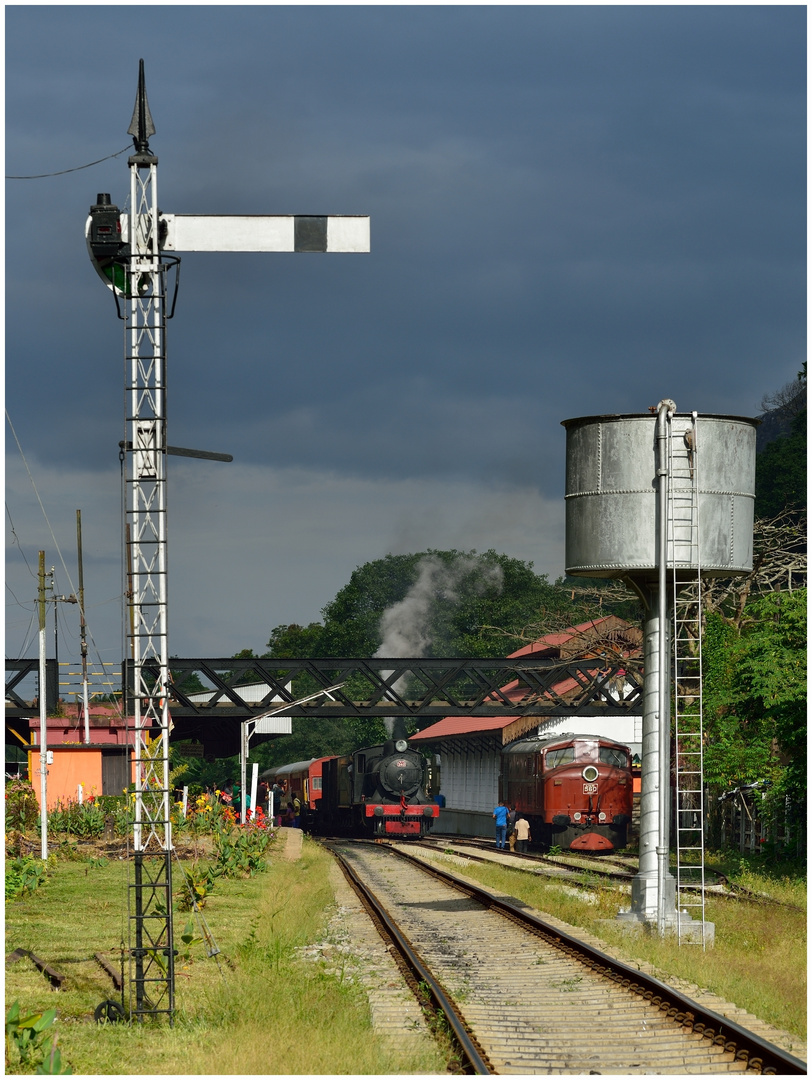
x: 759, y: 958
x: 262, y: 1011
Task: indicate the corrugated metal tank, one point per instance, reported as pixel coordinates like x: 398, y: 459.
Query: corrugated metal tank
x: 611, y: 496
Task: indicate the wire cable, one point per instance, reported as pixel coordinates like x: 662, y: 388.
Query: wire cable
x: 62, y: 172
x: 118, y: 704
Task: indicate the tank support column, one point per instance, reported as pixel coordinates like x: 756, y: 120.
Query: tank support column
x: 653, y: 887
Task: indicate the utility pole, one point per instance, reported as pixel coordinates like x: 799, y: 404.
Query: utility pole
x: 43, y: 719
x: 82, y: 626
x: 129, y: 252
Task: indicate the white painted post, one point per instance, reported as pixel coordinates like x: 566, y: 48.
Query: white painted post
x: 185, y: 799
x: 254, y: 775
x: 80, y: 793
x: 244, y: 739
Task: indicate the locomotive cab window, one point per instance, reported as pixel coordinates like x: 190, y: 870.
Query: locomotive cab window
x: 564, y: 756
x: 611, y: 755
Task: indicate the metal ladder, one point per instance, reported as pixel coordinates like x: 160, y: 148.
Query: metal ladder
x: 684, y: 561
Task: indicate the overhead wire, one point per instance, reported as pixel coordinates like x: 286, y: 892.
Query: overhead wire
x: 78, y: 168
x: 117, y: 703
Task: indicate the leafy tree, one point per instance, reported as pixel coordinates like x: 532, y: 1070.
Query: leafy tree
x: 479, y: 590
x: 755, y: 696
x: 295, y: 641
x: 781, y: 472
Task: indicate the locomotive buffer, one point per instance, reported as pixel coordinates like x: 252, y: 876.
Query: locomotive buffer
x: 134, y: 254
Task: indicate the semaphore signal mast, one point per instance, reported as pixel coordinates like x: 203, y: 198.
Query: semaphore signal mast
x: 131, y: 251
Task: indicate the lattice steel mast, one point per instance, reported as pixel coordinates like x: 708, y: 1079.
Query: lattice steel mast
x: 151, y: 946
x: 130, y: 253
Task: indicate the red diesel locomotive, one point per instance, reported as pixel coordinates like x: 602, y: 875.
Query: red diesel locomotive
x: 575, y: 790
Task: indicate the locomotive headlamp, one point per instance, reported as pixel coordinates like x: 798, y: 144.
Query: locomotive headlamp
x: 590, y: 774
x: 601, y: 816
x: 401, y: 745
x: 576, y: 816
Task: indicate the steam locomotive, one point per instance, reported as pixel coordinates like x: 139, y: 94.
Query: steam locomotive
x: 574, y: 790
x: 376, y: 791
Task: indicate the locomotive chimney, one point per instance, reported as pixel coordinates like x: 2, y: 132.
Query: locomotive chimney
x: 399, y: 729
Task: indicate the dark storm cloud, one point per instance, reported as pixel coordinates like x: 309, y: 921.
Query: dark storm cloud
x: 575, y: 210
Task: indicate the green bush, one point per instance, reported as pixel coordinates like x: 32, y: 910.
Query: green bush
x: 24, y: 875
x: 22, y: 806
x: 83, y: 820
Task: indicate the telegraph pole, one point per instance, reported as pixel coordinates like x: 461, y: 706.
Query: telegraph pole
x: 43, y: 715
x: 130, y: 253
x: 82, y: 625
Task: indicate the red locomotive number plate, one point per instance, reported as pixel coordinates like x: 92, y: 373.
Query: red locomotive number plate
x: 590, y: 789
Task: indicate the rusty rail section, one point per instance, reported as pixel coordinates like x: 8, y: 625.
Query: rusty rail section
x: 53, y: 976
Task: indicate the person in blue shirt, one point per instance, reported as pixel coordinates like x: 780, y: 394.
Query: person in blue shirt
x: 500, y: 815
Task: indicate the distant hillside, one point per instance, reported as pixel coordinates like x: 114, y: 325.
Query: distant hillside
x: 778, y: 421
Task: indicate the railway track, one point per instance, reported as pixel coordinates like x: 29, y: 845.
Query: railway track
x: 521, y: 996
x: 597, y: 867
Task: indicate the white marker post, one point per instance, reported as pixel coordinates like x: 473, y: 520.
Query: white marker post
x: 254, y: 776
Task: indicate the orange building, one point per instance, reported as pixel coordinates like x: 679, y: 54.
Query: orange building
x: 104, y: 766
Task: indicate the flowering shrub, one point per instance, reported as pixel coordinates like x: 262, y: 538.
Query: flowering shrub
x: 84, y: 820
x: 22, y: 807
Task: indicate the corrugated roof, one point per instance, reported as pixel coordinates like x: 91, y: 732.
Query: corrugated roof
x: 463, y: 725
x: 561, y: 637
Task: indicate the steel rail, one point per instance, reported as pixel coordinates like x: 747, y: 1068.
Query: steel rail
x: 477, y: 1060
x: 737, y: 892
x: 760, y: 1055
x: 542, y: 861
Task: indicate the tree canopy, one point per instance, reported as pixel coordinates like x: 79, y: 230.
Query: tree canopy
x: 755, y: 696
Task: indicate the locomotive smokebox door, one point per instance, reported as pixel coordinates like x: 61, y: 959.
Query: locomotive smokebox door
x: 400, y: 773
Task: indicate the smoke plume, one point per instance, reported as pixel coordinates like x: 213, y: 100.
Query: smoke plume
x: 406, y: 627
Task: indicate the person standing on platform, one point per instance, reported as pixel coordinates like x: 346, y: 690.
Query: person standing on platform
x: 500, y: 815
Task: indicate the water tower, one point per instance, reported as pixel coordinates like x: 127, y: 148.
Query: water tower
x: 662, y: 500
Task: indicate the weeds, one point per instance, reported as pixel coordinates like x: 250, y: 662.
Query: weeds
x: 26, y: 1038
x: 24, y: 875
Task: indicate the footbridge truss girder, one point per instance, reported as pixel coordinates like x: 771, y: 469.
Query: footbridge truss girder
x: 422, y: 688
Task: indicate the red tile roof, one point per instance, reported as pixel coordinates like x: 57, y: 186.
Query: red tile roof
x: 463, y: 725
x: 555, y: 640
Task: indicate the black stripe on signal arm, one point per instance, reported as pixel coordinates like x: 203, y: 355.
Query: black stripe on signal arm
x: 309, y: 233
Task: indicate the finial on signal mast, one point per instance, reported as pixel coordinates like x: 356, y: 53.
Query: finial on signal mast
x: 141, y: 125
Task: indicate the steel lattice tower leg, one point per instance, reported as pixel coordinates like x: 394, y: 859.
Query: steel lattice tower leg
x: 152, y: 974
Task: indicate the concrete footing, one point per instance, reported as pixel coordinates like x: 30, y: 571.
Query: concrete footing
x: 677, y: 923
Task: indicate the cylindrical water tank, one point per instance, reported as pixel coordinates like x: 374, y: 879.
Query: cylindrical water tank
x: 612, y: 485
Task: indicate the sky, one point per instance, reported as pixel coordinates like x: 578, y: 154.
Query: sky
x: 575, y: 210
